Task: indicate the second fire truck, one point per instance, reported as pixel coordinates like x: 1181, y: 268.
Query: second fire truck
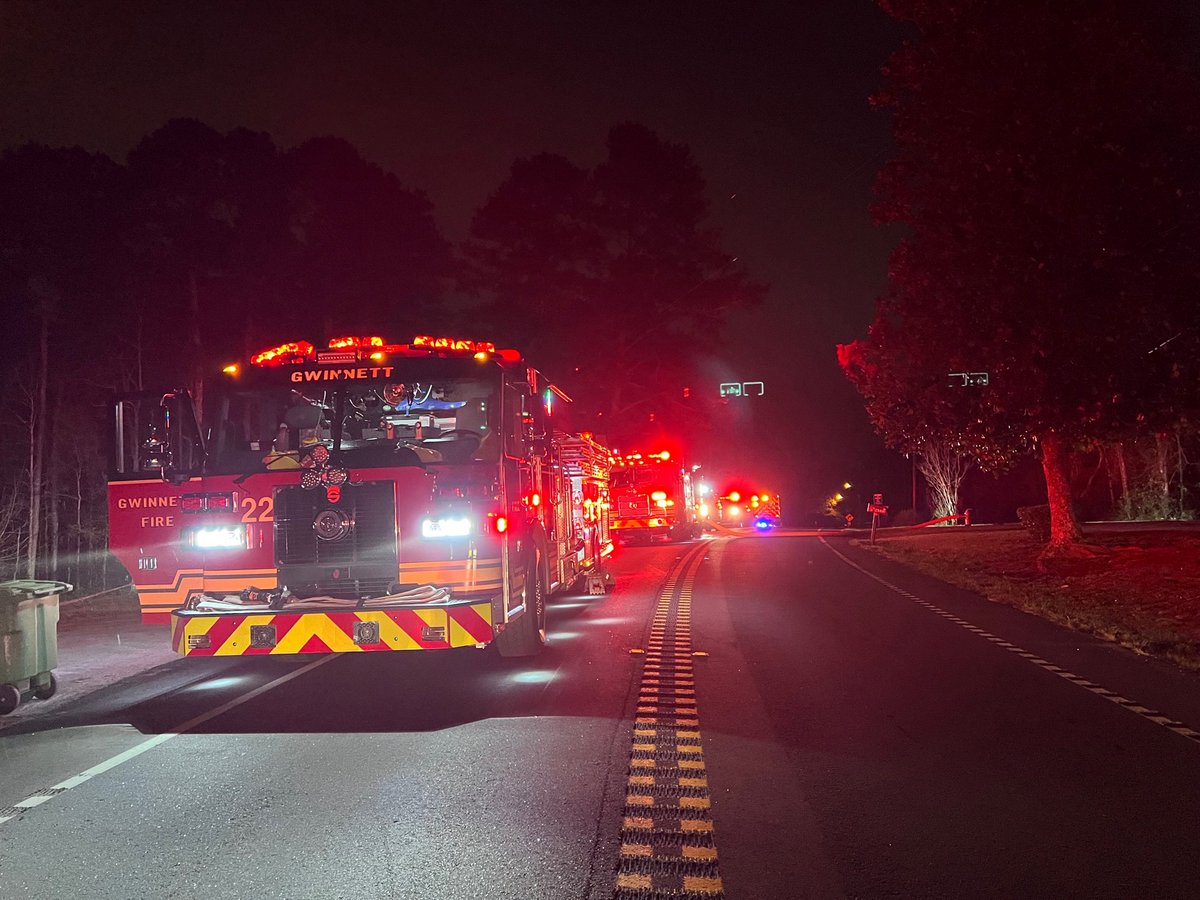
x: 366, y: 496
x: 653, y: 497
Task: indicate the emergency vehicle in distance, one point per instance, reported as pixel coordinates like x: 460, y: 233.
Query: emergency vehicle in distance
x: 368, y: 496
x: 765, y: 511
x: 761, y: 510
x: 652, y: 497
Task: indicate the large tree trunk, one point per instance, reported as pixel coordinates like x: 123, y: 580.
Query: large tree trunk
x: 1064, y: 528
x: 1162, y: 464
x: 944, y: 470
x: 1126, y: 500
x: 1179, y: 467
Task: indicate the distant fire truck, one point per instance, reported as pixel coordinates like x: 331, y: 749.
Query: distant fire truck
x: 367, y: 496
x: 762, y: 510
x: 765, y: 511
x: 652, y: 497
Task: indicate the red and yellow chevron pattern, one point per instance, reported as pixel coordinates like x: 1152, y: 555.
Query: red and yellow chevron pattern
x: 274, y: 634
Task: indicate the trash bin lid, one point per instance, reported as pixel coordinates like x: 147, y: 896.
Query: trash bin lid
x: 29, y: 587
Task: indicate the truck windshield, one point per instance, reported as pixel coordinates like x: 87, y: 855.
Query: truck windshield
x: 369, y: 423
x: 637, y: 476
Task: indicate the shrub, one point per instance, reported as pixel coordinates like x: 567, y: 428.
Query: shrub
x: 1036, y: 520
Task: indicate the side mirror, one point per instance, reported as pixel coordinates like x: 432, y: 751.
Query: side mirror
x: 153, y: 449
x: 177, y: 441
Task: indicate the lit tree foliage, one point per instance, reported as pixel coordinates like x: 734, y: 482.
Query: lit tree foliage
x: 1047, y: 176
x: 944, y: 468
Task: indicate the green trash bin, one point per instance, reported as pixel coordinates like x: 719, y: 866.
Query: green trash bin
x: 28, y: 640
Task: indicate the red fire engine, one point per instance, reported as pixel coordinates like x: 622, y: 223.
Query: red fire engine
x: 367, y: 496
x: 652, y: 497
x: 762, y: 510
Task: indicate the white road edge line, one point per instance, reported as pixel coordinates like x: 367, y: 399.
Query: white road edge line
x: 42, y: 796
x: 1132, y: 706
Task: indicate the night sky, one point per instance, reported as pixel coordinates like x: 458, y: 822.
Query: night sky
x: 771, y: 99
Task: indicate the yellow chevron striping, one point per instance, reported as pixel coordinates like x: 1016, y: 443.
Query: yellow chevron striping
x: 236, y: 643
x: 391, y: 633
x: 190, y: 627
x: 321, y: 626
x: 459, y: 636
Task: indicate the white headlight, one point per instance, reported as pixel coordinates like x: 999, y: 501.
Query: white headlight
x: 219, y: 537
x: 450, y: 527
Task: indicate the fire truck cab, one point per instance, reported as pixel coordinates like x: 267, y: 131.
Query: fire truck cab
x: 364, y: 497
x: 652, y: 497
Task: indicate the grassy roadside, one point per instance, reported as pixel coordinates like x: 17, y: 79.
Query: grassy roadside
x: 1142, y: 589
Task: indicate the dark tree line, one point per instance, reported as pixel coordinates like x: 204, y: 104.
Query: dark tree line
x: 202, y: 247
x: 624, y: 247
x: 1048, y: 175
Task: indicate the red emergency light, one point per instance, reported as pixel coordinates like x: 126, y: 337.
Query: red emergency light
x: 283, y: 353
x: 640, y: 459
x: 454, y: 345
x: 341, y: 343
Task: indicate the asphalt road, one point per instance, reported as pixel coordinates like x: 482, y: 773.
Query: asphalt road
x: 862, y: 738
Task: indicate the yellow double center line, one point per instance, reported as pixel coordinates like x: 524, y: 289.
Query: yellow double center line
x: 667, y: 847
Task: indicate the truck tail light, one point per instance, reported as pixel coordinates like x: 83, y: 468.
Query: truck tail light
x: 499, y: 524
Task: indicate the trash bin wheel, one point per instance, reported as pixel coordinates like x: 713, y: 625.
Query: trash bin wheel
x: 46, y: 691
x: 10, y: 698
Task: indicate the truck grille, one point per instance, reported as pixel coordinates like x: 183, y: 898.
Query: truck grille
x: 630, y: 507
x: 359, y: 556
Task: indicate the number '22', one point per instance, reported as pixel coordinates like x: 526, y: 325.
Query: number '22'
x: 261, y: 509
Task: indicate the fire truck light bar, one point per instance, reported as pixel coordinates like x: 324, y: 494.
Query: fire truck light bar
x: 352, y: 348
x: 344, y: 342
x: 456, y: 345
x: 284, y: 352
